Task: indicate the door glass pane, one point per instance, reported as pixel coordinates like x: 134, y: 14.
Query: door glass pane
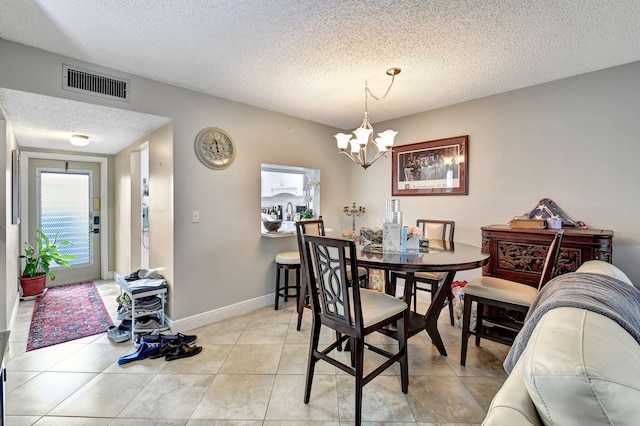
x: 64, y: 209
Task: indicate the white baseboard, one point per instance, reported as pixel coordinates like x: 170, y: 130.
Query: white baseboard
x: 206, y: 318
x: 240, y: 308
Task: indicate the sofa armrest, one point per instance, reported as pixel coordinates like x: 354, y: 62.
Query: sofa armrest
x: 603, y: 268
x: 582, y: 368
x: 512, y: 404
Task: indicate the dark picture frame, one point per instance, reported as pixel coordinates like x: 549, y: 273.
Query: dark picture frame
x: 15, y: 187
x: 438, y: 167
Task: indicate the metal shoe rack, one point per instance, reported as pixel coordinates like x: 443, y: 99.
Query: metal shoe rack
x: 134, y: 294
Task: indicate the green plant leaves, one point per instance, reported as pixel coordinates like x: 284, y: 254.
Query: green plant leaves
x: 38, y: 263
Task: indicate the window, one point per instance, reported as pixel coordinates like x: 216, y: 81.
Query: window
x: 290, y: 193
x: 64, y: 209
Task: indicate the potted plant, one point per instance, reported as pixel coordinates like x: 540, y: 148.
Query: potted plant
x: 34, y: 277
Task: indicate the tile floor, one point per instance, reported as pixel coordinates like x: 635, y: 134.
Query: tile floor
x: 251, y: 372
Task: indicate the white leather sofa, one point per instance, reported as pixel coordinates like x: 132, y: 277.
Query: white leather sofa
x: 578, y: 368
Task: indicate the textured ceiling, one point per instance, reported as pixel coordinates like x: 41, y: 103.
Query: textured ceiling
x: 110, y: 129
x: 311, y: 58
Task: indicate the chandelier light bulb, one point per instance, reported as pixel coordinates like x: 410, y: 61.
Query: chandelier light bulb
x: 362, y: 135
x: 385, y: 139
x: 355, y: 147
x: 343, y: 140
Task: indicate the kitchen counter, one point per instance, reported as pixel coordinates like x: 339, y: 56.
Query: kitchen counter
x: 288, y: 229
x: 279, y: 234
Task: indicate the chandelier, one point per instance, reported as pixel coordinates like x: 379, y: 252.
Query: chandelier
x: 356, y: 148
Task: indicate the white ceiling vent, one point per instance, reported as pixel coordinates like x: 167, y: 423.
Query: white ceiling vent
x: 93, y: 83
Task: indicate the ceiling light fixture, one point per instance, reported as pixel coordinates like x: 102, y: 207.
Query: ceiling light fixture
x: 79, y: 140
x: 364, y: 133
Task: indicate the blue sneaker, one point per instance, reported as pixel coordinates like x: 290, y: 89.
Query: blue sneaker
x: 144, y: 351
x: 148, y: 338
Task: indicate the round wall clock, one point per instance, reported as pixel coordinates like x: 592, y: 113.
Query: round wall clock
x: 215, y: 148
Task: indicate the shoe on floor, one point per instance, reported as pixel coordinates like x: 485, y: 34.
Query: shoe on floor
x: 118, y: 335
x: 167, y: 348
x: 144, y: 351
x: 187, y: 339
x: 169, y: 344
x: 152, y: 337
x: 184, y: 351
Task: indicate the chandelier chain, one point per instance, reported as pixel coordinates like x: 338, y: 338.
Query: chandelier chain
x: 368, y: 92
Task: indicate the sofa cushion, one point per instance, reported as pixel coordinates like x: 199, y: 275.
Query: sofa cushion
x: 604, y: 268
x: 582, y: 368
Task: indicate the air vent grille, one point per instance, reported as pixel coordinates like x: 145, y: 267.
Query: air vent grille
x: 93, y: 83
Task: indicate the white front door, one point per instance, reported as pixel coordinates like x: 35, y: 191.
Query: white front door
x: 63, y: 204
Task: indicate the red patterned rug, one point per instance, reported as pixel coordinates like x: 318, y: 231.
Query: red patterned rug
x: 67, y: 313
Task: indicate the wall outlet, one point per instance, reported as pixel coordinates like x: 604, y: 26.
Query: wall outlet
x: 195, y: 216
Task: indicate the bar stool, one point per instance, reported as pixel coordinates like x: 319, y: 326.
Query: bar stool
x: 286, y: 261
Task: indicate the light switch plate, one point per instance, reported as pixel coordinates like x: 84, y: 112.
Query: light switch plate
x: 195, y: 216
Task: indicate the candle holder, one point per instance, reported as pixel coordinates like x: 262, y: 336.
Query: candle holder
x: 354, y: 212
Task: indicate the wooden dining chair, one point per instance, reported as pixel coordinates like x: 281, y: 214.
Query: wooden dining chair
x: 311, y: 227
x: 353, y: 312
x: 504, y: 294
x: 436, y: 230
x: 316, y: 227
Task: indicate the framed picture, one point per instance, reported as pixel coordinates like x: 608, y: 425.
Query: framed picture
x: 439, y: 167
x: 15, y: 187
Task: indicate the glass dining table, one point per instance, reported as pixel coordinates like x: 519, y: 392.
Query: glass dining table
x: 440, y: 256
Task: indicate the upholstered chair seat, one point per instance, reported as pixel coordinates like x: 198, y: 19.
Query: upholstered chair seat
x: 502, y: 290
x: 288, y: 258
x: 362, y: 273
x: 430, y: 275
x: 286, y: 261
x: 378, y: 306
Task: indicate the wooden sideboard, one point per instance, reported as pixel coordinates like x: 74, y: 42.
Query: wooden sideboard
x: 519, y: 254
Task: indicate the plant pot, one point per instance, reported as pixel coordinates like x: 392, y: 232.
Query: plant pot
x: 33, y: 286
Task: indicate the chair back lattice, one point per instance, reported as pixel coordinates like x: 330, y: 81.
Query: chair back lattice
x: 437, y: 229
x: 551, y: 261
x: 308, y: 227
x: 333, y: 298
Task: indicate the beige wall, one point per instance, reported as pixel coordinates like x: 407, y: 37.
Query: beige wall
x: 575, y: 141
x: 9, y: 234
x: 128, y: 207
x: 122, y: 212
x: 223, y: 259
